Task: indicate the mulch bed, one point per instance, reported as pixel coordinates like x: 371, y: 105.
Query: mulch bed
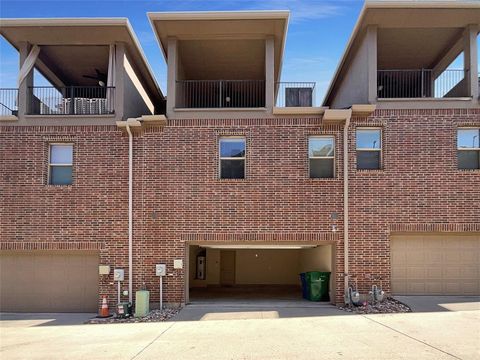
x: 387, y: 306
x: 153, y: 316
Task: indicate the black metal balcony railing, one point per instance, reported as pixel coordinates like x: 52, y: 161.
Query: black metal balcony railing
x: 8, y: 102
x: 200, y: 94
x: 422, y: 83
x: 295, y: 94
x: 71, y: 100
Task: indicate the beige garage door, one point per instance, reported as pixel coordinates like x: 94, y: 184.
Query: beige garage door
x: 430, y: 264
x: 46, y: 281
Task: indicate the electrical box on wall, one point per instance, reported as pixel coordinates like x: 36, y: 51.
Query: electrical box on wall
x: 103, y: 269
x: 118, y: 274
x: 161, y: 270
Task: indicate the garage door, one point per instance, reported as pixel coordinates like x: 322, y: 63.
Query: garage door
x: 41, y: 281
x: 435, y: 264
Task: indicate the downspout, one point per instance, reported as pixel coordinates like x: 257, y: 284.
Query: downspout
x: 345, y: 202
x: 130, y: 213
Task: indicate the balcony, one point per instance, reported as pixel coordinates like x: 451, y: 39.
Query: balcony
x: 424, y: 83
x: 295, y: 94
x: 71, y: 100
x: 219, y: 94
x: 296, y: 98
x: 8, y: 103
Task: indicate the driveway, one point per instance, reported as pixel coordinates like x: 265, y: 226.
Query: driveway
x: 440, y: 303
x: 250, y: 333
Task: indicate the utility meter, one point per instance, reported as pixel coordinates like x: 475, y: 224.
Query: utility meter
x: 161, y: 269
x: 118, y: 274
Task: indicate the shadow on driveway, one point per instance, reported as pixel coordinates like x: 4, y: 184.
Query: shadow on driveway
x: 238, y: 310
x: 43, y: 319
x: 440, y: 303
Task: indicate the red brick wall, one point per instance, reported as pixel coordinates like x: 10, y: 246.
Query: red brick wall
x: 418, y: 189
x: 90, y: 214
x: 184, y: 199
x: 179, y: 198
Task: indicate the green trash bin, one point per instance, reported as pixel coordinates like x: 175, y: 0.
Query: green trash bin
x: 318, y: 284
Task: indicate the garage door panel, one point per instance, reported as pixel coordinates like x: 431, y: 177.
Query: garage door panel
x: 433, y: 287
x: 434, y: 264
x: 41, y: 281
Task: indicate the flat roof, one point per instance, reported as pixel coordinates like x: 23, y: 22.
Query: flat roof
x: 459, y: 11
x: 222, y: 25
x: 71, y: 31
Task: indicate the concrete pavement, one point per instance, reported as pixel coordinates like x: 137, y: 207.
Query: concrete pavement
x: 440, y: 303
x: 252, y: 334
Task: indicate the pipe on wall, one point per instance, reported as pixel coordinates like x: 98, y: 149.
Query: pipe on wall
x: 345, y: 201
x: 130, y: 213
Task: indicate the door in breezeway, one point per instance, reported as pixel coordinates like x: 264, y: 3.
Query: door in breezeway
x: 49, y: 281
x: 227, y: 267
x: 434, y: 264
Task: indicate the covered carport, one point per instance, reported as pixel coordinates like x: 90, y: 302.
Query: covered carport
x: 253, y: 272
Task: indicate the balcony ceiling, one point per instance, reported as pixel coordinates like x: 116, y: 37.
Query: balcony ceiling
x: 227, y: 26
x: 222, y: 59
x: 70, y: 63
x: 406, y: 48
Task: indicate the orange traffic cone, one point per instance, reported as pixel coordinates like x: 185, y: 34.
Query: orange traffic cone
x: 104, y: 313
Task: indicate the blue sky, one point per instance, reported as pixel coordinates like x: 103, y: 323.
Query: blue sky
x: 317, y: 34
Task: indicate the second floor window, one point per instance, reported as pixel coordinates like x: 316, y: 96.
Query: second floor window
x: 369, y: 148
x: 232, y: 157
x: 321, y: 156
x: 60, y: 164
x: 468, y: 148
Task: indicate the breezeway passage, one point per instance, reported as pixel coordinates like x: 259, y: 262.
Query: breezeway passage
x: 254, y: 272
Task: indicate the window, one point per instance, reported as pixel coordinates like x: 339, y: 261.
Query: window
x: 232, y: 158
x: 369, y: 149
x: 321, y: 155
x: 60, y: 165
x: 468, y: 148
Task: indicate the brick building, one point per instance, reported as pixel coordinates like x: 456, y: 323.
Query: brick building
x: 237, y: 169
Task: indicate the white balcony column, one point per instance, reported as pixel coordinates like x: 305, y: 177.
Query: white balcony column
x: 269, y: 72
x: 172, y: 63
x: 371, y: 38
x: 23, y: 88
x: 470, y: 60
x: 119, y: 80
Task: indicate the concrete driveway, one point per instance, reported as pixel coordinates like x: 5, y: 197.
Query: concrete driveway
x: 440, y: 303
x: 249, y: 333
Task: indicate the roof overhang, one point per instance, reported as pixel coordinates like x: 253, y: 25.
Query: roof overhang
x: 222, y: 25
x: 406, y: 15
x: 82, y: 31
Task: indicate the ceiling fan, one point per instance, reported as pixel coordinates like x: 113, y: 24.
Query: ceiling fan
x: 100, y: 77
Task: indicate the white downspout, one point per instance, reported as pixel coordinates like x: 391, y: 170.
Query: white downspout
x: 345, y: 201
x: 130, y: 214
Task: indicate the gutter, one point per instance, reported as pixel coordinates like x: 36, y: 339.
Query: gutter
x: 345, y: 201
x: 130, y: 213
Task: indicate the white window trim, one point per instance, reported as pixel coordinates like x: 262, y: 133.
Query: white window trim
x: 380, y: 149
x: 50, y: 165
x: 322, y: 157
x: 231, y: 158
x: 469, y: 128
